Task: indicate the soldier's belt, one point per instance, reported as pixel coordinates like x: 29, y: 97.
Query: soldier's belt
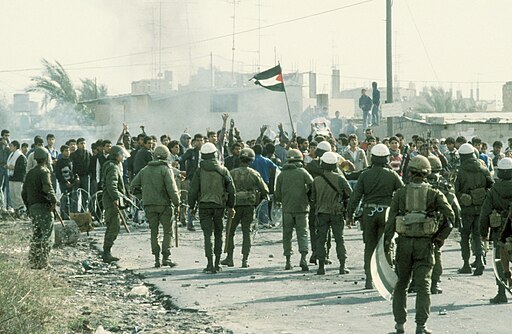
x: 375, y: 206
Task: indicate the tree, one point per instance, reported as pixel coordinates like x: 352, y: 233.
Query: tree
x: 437, y: 101
x: 90, y: 90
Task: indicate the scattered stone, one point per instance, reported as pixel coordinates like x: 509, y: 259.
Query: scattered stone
x: 139, y: 291
x: 185, y: 285
x: 101, y: 330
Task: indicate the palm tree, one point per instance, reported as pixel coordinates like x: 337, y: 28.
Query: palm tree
x: 90, y: 90
x: 437, y: 101
x: 55, y: 84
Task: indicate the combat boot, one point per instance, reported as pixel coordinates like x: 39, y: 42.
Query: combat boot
x: 228, y: 261
x: 210, y: 269
x: 157, y: 261
x: 166, y: 261
x: 244, y: 261
x: 500, y: 298
x: 422, y: 329
x: 368, y: 284
x: 435, y: 288
x: 288, y: 265
x: 107, y: 256
x: 313, y: 259
x: 217, y: 264
x: 321, y: 267
x: 466, y: 268
x: 343, y: 269
x: 479, y: 268
x: 399, y: 328
x: 303, y: 262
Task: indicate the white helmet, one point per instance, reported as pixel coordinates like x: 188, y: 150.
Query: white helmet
x: 380, y: 150
x: 324, y: 146
x: 329, y: 158
x: 466, y: 149
x: 208, y: 148
x: 505, y: 164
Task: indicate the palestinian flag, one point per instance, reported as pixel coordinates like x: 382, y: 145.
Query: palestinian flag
x: 271, y: 79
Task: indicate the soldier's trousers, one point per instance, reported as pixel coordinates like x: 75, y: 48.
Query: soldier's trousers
x: 495, y: 236
x: 437, y: 271
x: 211, y: 222
x: 373, y: 228
x: 414, y: 256
x: 156, y: 215
x: 313, y: 229
x: 42, y: 228
x: 113, y: 223
x: 470, y: 231
x: 244, y: 215
x: 325, y: 223
x: 299, y: 222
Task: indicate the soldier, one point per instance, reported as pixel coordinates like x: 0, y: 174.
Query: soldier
x: 159, y: 195
x: 329, y: 192
x: 412, y: 216
x: 493, y: 216
x: 375, y: 188
x: 250, y: 187
x: 113, y: 192
x: 292, y: 188
x: 39, y: 197
x: 473, y: 181
x: 212, y: 188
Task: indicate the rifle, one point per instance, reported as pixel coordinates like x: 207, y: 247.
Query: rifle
x: 123, y: 220
x: 58, y: 216
x: 228, y: 231
x: 177, y: 218
x: 405, y: 162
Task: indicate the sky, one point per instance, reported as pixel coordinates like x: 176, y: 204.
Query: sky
x: 453, y: 44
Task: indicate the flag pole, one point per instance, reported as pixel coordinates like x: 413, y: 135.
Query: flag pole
x: 289, y: 112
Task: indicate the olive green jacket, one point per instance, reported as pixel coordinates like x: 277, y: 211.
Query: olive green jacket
x: 293, y: 187
x: 212, y: 187
x: 37, y: 187
x: 157, y: 183
x: 472, y: 175
x: 248, y: 179
x: 498, y: 198
x: 325, y: 198
x: 113, y: 188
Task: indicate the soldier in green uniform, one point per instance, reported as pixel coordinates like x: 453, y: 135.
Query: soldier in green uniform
x: 113, y: 191
x: 159, y: 195
x: 493, y: 216
x: 250, y: 187
x: 329, y: 192
x: 39, y: 197
x: 412, y: 215
x: 375, y: 188
x: 471, y: 185
x: 293, y: 186
x: 212, y: 188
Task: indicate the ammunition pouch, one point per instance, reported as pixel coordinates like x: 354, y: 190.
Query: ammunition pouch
x: 508, y: 245
x: 466, y: 200
x: 496, y: 219
x: 245, y: 198
x: 478, y: 195
x: 416, y: 224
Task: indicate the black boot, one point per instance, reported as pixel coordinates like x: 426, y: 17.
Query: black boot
x: 466, y: 268
x: 157, y: 261
x: 303, y: 262
x: 313, y: 259
x: 166, y: 261
x: 368, y: 284
x: 422, y: 329
x: 244, y: 261
x: 288, y: 265
x: 435, y: 288
x: 321, y: 267
x: 479, y: 268
x: 399, y: 328
x: 217, y: 264
x: 228, y: 261
x: 107, y: 256
x: 500, y: 298
x: 210, y: 269
x: 343, y: 269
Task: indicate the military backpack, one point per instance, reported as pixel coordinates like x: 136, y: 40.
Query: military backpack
x: 416, y: 222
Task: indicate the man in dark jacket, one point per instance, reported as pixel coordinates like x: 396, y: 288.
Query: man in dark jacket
x: 16, y: 169
x: 188, y: 163
x: 144, y: 156
x: 365, y: 104
x: 81, y: 159
x: 66, y: 180
x: 213, y: 190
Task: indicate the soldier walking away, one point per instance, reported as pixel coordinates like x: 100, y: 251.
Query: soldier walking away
x: 293, y: 186
x: 39, y: 197
x: 159, y: 195
x: 113, y: 192
x: 329, y: 192
x: 250, y: 189
x: 471, y: 185
x: 375, y: 188
x: 493, y: 216
x: 412, y: 215
x: 213, y: 190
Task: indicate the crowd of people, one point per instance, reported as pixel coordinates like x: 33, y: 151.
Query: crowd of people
x: 419, y: 189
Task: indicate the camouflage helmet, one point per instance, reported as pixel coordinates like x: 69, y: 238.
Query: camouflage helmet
x: 247, y: 153
x: 117, y: 150
x: 294, y: 155
x: 435, y: 163
x: 420, y: 164
x: 40, y: 153
x: 162, y: 152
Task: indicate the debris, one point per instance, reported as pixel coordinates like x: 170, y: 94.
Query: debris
x: 139, y: 291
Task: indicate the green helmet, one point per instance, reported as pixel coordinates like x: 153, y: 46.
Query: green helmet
x: 117, y: 150
x: 420, y: 164
x: 162, y: 152
x: 40, y: 153
x: 435, y: 163
x: 247, y: 153
x: 294, y: 155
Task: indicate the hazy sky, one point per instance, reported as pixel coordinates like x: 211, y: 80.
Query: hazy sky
x: 452, y: 43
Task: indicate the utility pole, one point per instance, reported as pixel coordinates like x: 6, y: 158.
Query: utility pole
x: 389, y: 55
